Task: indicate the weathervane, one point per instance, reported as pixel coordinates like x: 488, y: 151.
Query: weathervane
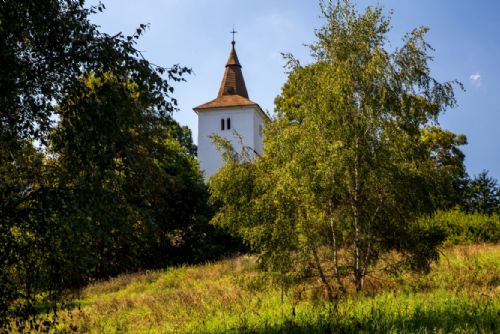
x: 233, y: 32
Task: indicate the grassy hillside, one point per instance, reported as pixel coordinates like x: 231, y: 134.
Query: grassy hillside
x: 460, y: 295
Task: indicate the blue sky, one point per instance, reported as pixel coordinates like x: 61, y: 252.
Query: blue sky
x: 195, y: 33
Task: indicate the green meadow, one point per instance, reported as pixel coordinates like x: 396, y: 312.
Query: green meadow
x: 459, y: 295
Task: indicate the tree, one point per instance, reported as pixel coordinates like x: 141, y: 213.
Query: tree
x: 20, y: 183
x: 481, y: 194
x: 353, y: 157
x: 56, y: 65
x: 132, y: 173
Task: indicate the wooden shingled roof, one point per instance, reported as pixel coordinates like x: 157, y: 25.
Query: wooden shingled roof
x: 232, y: 91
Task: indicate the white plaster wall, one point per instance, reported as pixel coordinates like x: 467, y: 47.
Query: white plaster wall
x: 258, y: 136
x: 243, y: 121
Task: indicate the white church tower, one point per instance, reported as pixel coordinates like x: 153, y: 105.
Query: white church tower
x: 231, y: 113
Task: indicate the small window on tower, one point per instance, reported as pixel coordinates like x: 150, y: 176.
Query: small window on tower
x: 228, y: 122
x: 222, y: 124
x: 260, y: 130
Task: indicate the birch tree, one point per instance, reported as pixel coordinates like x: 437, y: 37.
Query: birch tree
x: 353, y: 157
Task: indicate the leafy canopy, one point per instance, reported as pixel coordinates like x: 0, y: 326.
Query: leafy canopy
x: 352, y: 157
x: 96, y: 178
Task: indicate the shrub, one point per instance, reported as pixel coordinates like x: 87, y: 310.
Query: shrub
x: 463, y: 228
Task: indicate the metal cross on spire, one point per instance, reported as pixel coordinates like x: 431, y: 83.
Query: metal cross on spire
x: 233, y: 32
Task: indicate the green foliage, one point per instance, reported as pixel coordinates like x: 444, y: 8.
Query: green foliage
x: 96, y: 178
x: 46, y: 47
x: 481, y: 194
x: 353, y: 157
x: 125, y: 169
x: 20, y: 247
x: 465, y: 228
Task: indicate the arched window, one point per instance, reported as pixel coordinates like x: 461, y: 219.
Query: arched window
x: 228, y: 122
x: 222, y: 124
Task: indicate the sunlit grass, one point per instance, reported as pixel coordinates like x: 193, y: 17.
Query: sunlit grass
x: 460, y: 295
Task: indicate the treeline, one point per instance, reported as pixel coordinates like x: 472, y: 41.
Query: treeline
x: 96, y: 178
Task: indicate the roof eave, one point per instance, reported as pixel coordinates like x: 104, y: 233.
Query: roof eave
x: 255, y: 105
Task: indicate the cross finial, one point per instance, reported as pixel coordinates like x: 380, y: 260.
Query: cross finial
x: 233, y: 32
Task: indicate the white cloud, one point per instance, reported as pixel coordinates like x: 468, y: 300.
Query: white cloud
x: 476, y: 79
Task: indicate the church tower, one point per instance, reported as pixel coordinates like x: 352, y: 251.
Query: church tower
x: 231, y: 114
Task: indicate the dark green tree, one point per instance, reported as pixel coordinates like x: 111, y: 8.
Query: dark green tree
x: 133, y: 173
x: 95, y: 175
x: 481, y: 194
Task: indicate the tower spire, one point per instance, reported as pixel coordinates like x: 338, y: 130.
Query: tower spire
x: 233, y: 82
x: 232, y: 90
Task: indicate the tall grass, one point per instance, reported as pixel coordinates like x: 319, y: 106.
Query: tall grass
x: 460, y: 295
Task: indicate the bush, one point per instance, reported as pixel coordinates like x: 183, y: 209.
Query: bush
x: 463, y: 228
